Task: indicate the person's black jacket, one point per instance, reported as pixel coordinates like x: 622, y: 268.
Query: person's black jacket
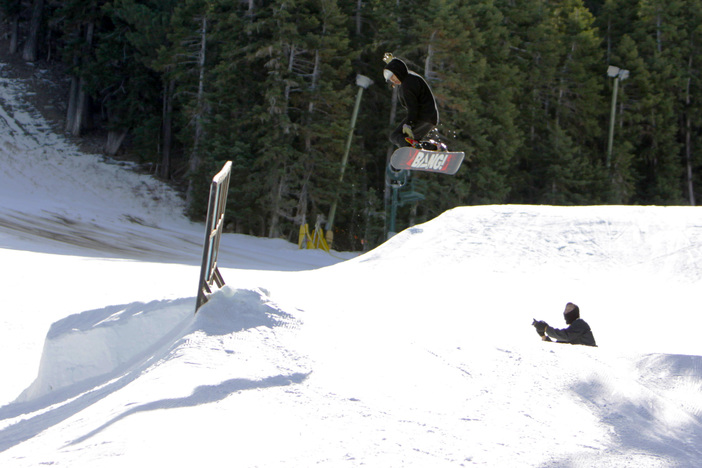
x: 415, y: 95
x: 577, y: 333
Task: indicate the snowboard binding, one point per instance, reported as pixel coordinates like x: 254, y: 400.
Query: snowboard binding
x: 428, y: 145
x: 432, y: 142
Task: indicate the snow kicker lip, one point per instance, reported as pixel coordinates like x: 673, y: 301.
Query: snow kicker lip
x: 119, y: 336
x: 123, y: 336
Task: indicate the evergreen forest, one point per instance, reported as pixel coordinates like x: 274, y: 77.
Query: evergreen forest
x: 522, y: 88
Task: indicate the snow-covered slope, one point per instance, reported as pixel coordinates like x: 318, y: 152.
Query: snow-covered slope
x: 419, y: 353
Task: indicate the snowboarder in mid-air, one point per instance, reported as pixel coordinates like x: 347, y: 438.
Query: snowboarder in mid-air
x: 416, y: 97
x: 416, y: 149
x: 578, y: 331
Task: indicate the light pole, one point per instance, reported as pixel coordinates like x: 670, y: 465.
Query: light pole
x: 618, y: 74
x: 363, y: 82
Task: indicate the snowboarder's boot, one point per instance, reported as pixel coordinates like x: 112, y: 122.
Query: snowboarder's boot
x: 433, y: 145
x: 429, y: 145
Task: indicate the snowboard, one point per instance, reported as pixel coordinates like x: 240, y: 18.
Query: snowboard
x: 414, y: 159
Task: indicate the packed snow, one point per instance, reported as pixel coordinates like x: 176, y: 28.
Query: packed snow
x: 418, y: 353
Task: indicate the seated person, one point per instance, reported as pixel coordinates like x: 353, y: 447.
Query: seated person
x: 578, y: 331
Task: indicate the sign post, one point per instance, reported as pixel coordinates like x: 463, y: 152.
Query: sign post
x: 209, y: 273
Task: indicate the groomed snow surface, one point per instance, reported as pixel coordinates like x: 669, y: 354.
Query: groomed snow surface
x: 419, y: 353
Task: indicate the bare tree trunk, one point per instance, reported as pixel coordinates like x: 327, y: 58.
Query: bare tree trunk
x: 609, y: 40
x: 72, y: 103
x: 81, y: 109
x: 30, y: 47
x: 301, y: 213
x: 167, y: 129
x: 114, y: 137
x: 78, y: 99
x: 195, y: 157
x: 275, y: 212
x: 359, y: 6
x: 114, y: 141
x: 429, y: 62
x: 688, y: 137
x: 659, y: 33
x: 317, y: 70
x: 200, y: 93
x: 288, y: 86
x: 14, y: 34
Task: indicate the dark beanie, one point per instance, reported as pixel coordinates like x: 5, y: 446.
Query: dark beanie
x: 571, y: 313
x: 398, y: 68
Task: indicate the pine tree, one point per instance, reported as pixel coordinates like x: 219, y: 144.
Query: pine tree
x: 616, y: 19
x: 269, y: 84
x: 659, y: 33
x: 558, y: 55
x: 79, y: 20
x: 188, y: 61
x: 118, y: 76
x: 468, y: 59
x: 144, y: 105
x: 288, y: 65
x: 313, y: 64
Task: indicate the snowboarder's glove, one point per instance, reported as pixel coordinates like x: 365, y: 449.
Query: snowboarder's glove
x: 540, y: 326
x: 407, y: 130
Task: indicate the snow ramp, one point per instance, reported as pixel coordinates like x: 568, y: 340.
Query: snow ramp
x: 87, y: 350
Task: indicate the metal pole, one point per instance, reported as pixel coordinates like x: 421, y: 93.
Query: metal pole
x: 344, y: 161
x: 611, y: 121
x: 363, y: 82
x: 393, y: 211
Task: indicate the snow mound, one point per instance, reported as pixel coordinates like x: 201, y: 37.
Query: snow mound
x: 509, y: 238
x: 101, y: 344
x: 86, y: 350
x: 419, y: 353
x: 487, y: 271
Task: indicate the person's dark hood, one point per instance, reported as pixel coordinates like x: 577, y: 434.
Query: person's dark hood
x: 398, y: 68
x: 571, y: 313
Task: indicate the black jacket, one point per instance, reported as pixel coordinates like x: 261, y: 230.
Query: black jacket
x: 577, y: 333
x: 415, y: 95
